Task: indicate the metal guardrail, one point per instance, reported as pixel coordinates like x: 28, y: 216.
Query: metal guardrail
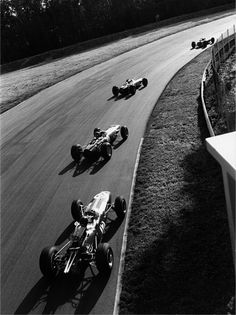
x: 223, y: 47
x: 205, y: 77
x: 221, y: 50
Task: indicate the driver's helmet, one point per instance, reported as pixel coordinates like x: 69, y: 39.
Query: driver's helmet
x: 97, y: 132
x: 128, y: 80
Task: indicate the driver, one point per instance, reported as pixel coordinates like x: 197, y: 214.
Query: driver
x: 99, y: 133
x: 84, y: 215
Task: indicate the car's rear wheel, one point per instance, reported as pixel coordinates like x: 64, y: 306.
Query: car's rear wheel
x: 104, y: 258
x: 120, y: 206
x: 106, y: 151
x: 212, y: 40
x: 124, y: 132
x: 46, y: 262
x: 132, y: 89
x: 193, y: 45
x: 115, y: 90
x: 76, y: 152
x: 76, y: 210
x: 145, y: 82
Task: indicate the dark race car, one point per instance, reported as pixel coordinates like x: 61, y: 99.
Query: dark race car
x: 100, y: 145
x: 129, y: 87
x: 203, y: 42
x: 85, y: 246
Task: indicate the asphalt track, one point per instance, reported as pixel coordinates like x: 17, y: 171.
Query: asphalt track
x: 39, y: 180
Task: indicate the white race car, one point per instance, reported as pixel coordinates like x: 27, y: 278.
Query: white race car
x: 100, y: 145
x: 85, y: 246
x: 130, y: 86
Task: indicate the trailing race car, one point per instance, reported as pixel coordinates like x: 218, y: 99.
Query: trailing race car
x: 85, y: 246
x: 100, y: 145
x: 129, y: 87
x: 202, y: 43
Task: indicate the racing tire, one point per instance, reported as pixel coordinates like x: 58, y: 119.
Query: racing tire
x: 132, y: 89
x: 95, y: 131
x: 115, y: 91
x: 124, y: 132
x: 106, y: 151
x: 46, y: 264
x: 193, y: 45
x: 120, y: 207
x: 76, y: 152
x: 104, y: 258
x: 212, y: 40
x: 204, y: 44
x: 145, y: 82
x: 76, y: 210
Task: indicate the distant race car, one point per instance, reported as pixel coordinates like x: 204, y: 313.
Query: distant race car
x: 130, y: 86
x: 100, y: 145
x: 202, y: 43
x: 85, y: 246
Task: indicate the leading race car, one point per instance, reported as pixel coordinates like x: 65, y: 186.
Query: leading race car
x: 100, y: 145
x: 129, y: 87
x: 203, y: 42
x: 85, y: 246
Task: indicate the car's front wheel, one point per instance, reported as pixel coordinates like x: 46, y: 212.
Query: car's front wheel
x: 120, y: 207
x: 104, y: 258
x: 106, y: 151
x: 212, y: 40
x: 47, y: 263
x: 204, y: 44
x: 132, y: 89
x: 145, y: 82
x: 76, y: 210
x: 124, y: 132
x: 193, y: 45
x: 115, y: 91
x: 76, y: 152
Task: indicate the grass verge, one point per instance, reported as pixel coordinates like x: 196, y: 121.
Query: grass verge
x: 179, y: 257
x: 42, y: 71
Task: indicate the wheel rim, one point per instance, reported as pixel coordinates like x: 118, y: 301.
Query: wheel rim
x: 110, y: 258
x: 108, y: 151
x: 124, y: 206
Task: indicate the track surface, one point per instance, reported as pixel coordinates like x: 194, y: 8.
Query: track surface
x: 39, y: 180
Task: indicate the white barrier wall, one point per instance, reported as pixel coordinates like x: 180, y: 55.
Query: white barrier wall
x: 223, y: 149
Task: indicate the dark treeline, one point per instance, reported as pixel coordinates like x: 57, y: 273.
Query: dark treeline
x: 30, y: 27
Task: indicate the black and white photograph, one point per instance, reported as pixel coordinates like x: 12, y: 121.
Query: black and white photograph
x: 118, y: 157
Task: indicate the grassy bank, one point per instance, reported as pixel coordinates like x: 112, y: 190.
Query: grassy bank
x: 222, y: 116
x: 42, y: 71
x: 179, y: 258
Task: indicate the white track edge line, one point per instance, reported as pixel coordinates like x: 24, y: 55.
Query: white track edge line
x: 124, y: 242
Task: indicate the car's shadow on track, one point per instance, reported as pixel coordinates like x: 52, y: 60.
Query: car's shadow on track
x: 81, y: 290
x: 91, y: 166
x: 69, y: 167
x: 113, y: 224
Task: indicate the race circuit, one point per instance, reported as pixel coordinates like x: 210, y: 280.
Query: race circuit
x: 39, y: 179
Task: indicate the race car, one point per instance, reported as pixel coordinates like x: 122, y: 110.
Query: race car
x: 203, y: 42
x: 84, y: 247
x: 129, y: 87
x: 100, y: 145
